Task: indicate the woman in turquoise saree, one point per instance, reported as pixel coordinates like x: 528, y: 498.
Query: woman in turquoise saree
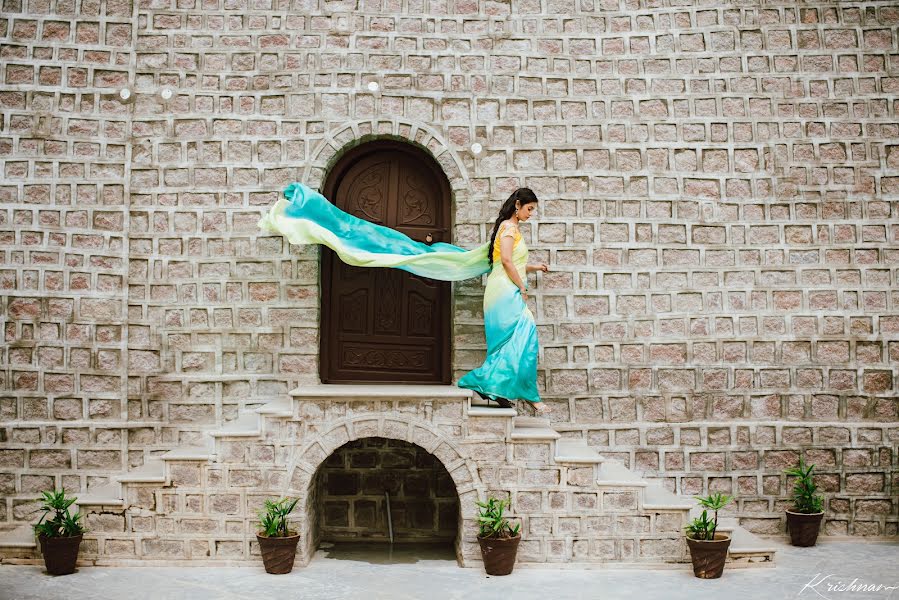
x: 509, y: 371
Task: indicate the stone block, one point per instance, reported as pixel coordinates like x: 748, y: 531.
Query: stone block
x: 228, y: 504
x: 115, y: 548
x: 163, y: 549
x: 185, y: 474
x: 662, y: 548
x: 99, y: 459
x: 614, y: 501
x: 44, y: 459
x: 106, y: 522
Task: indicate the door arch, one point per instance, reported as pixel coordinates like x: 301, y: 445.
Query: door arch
x: 383, y: 325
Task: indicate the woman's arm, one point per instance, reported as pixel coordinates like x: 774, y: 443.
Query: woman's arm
x: 506, y: 244
x: 534, y: 268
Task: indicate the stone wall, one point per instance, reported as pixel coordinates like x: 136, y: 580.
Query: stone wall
x: 718, y: 186
x: 65, y: 145
x: 351, y: 486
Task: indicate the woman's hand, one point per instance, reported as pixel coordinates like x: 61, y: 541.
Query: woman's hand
x: 534, y: 268
x: 524, y: 294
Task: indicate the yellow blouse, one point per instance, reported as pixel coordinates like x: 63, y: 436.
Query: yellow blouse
x: 506, y: 229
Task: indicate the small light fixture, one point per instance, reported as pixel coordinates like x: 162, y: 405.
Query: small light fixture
x: 125, y: 93
x: 373, y: 86
x: 166, y: 93
x: 476, y: 148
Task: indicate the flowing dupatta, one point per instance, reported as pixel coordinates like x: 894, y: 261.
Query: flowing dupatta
x: 304, y: 216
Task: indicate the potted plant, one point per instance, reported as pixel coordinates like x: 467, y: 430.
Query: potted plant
x: 497, y: 538
x: 277, y: 543
x: 59, y: 536
x: 804, y: 521
x: 708, y: 549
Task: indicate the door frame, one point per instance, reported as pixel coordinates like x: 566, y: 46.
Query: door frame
x: 332, y: 180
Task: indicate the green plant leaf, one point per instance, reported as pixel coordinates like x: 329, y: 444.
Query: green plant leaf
x: 56, y: 520
x: 805, y: 496
x: 492, y: 521
x: 273, y: 518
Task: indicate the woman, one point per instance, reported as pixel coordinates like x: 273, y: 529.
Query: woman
x: 510, y: 369
x: 304, y: 216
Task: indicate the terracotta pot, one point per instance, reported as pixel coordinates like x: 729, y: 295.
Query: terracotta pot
x: 803, y: 527
x: 499, y: 554
x: 278, y: 553
x: 708, y: 556
x: 60, y: 553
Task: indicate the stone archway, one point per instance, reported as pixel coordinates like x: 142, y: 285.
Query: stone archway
x: 348, y: 135
x: 343, y: 137
x: 307, y: 457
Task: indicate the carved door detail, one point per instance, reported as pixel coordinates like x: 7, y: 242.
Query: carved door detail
x: 387, y: 325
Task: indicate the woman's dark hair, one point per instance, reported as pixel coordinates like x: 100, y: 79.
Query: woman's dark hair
x: 522, y: 196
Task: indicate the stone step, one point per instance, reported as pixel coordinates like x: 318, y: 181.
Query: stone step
x: 385, y: 391
x: 614, y: 473
x: 572, y: 450
x: 189, y: 453
x: 478, y: 407
x: 535, y: 433
x: 536, y: 422
x: 745, y: 544
x: 109, y: 494
x: 245, y: 425
x: 152, y: 472
x: 656, y: 497
x: 276, y: 408
x: 483, y: 410
x: 18, y: 537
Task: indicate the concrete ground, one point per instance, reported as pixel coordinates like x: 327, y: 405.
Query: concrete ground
x: 341, y: 573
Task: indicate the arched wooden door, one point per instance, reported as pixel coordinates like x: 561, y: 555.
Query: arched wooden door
x: 387, y: 325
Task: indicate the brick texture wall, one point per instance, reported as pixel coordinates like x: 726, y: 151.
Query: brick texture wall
x: 719, y: 186
x: 351, y: 493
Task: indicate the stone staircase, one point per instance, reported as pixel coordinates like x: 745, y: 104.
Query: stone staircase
x: 199, y: 502
x: 652, y: 513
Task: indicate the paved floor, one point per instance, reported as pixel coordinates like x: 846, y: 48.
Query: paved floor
x: 800, y: 573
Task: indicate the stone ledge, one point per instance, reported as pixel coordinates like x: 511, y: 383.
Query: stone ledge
x: 484, y: 411
x: 535, y: 433
x: 109, y: 494
x: 349, y: 392
x: 658, y: 498
x: 200, y: 453
x: 245, y: 425
x: 576, y: 451
x: 152, y: 472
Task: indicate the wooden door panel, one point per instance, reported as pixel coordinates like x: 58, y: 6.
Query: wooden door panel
x: 352, y: 307
x: 420, y: 317
x: 387, y: 325
x: 371, y: 360
x: 366, y: 191
x: 389, y: 291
